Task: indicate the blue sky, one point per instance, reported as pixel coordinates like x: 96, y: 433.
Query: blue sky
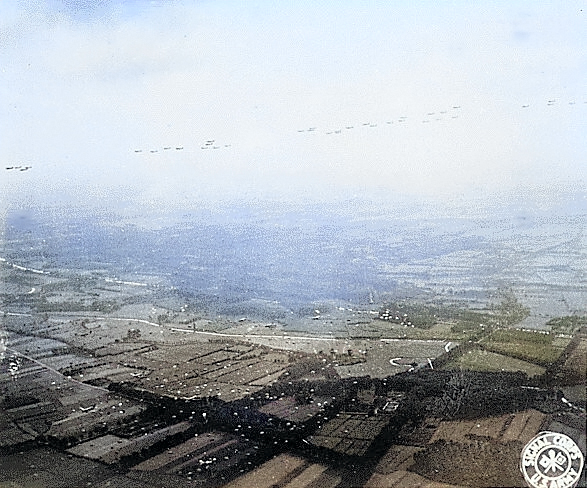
x: 86, y: 84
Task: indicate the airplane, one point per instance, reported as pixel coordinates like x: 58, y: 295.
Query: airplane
x: 204, y: 147
x: 301, y: 130
x: 138, y: 150
x: 311, y: 129
x: 457, y: 106
x: 154, y: 150
x: 525, y: 106
x: 227, y: 145
x: 372, y: 125
x: 430, y: 113
x: 349, y: 127
x: 179, y: 148
x: 337, y: 131
x: 166, y: 148
x: 216, y: 147
x: 10, y: 167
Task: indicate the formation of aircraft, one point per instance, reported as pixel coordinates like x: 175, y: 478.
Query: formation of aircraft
x: 428, y: 117
x: 211, y: 144
x: 153, y: 151
x: 450, y: 113
x: 552, y: 102
x: 401, y: 119
x: 207, y: 144
x: 18, y: 168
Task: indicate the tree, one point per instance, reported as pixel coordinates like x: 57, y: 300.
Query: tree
x: 510, y: 311
x: 133, y: 334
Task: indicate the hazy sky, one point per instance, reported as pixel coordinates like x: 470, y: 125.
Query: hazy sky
x: 85, y: 84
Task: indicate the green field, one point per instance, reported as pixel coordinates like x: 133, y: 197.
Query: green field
x: 568, y: 324
x: 448, y: 322
x: 479, y: 360
x: 442, y: 331
x: 535, y: 347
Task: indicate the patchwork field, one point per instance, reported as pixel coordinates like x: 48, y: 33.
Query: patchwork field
x: 479, y: 360
x: 404, y: 479
x: 287, y: 470
x: 349, y: 434
x: 576, y: 363
x: 439, y: 331
x: 535, y: 347
x: 521, y: 426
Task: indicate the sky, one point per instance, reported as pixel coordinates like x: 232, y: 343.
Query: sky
x: 289, y: 100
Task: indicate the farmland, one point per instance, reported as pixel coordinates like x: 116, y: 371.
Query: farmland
x: 153, y: 391
x: 481, y: 360
x: 540, y: 348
